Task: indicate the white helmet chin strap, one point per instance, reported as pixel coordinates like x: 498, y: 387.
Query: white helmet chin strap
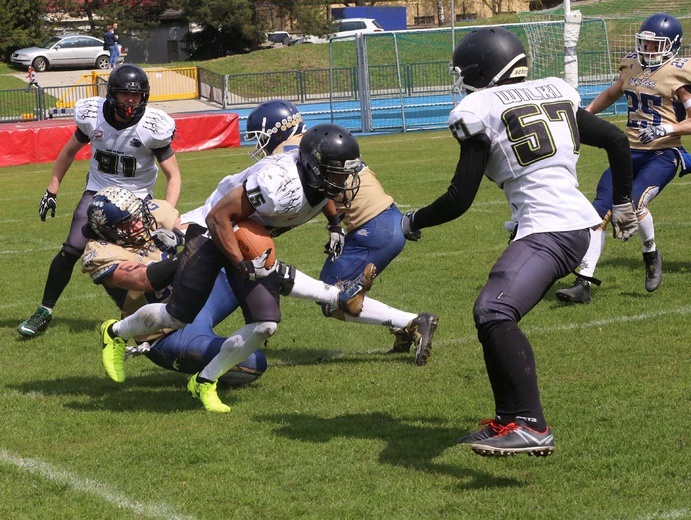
x: 522, y: 71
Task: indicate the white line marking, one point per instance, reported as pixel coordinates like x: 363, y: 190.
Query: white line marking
x: 90, y: 487
x: 669, y: 515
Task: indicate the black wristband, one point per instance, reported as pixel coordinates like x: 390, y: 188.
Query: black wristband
x: 334, y: 220
x: 160, y: 274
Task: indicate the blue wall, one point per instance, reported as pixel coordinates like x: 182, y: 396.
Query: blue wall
x: 390, y: 18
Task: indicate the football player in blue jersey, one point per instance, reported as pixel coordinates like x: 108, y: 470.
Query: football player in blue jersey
x: 372, y: 231
x: 127, y: 138
x: 657, y: 86
x: 131, y: 253
x: 525, y: 136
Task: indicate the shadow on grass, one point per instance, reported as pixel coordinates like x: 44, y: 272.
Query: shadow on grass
x: 73, y: 326
x: 163, y: 392
x: 407, y: 445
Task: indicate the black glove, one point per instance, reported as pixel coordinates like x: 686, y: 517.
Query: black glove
x: 407, y: 229
x: 166, y: 239
x: 48, y: 202
x: 256, y: 269
x: 334, y: 247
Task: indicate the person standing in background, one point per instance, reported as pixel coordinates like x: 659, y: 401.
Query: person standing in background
x: 115, y: 53
x: 110, y: 43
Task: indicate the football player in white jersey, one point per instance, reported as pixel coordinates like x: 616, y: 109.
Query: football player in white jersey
x: 657, y: 86
x: 524, y: 136
x: 279, y: 192
x: 372, y: 232
x: 132, y: 255
x: 127, y: 138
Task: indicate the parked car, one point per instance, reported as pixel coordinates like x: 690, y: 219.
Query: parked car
x: 353, y: 26
x: 346, y: 27
x: 277, y: 39
x: 66, y: 51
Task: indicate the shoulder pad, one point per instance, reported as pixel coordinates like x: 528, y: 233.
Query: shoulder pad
x: 159, y: 126
x: 86, y: 114
x: 275, y: 188
x: 163, y: 212
x: 464, y: 123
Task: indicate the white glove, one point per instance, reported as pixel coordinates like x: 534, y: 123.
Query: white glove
x: 166, y: 239
x: 650, y: 133
x: 256, y: 269
x: 408, y: 232
x: 624, y: 221
x: 334, y: 247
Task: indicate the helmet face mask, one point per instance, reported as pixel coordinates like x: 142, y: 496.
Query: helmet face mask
x: 658, y: 40
x: 331, y: 162
x: 118, y: 216
x: 485, y: 58
x: 132, y: 80
x: 271, y: 124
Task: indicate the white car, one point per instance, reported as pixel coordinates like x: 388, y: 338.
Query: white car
x: 353, y: 26
x: 346, y: 28
x: 66, y: 51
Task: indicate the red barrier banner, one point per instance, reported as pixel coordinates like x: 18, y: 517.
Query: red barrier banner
x: 41, y: 141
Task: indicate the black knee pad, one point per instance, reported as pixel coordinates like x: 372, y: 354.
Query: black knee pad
x: 493, y: 330
x: 287, y: 274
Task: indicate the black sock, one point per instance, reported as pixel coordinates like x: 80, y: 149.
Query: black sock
x: 511, y: 368
x: 59, y: 276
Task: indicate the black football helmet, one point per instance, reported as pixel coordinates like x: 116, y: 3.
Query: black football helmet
x: 330, y: 159
x: 486, y: 57
x: 658, y: 40
x: 272, y: 123
x: 118, y: 216
x: 128, y: 78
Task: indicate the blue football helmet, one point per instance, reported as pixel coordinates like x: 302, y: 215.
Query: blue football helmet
x: 272, y: 123
x: 118, y: 216
x: 658, y: 40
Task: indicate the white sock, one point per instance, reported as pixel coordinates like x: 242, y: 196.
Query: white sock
x: 237, y: 347
x: 592, y: 255
x: 377, y: 313
x: 146, y: 320
x: 646, y: 230
x: 309, y: 288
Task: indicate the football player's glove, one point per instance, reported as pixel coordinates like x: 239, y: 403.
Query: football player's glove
x: 48, y: 202
x: 166, y: 240
x: 408, y: 231
x: 256, y: 269
x: 334, y: 247
x: 650, y: 133
x: 624, y: 221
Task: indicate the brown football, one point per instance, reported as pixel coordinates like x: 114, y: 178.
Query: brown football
x: 254, y: 240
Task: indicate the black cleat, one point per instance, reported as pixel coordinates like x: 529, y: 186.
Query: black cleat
x: 513, y: 439
x: 579, y: 292
x: 653, y: 270
x: 491, y: 429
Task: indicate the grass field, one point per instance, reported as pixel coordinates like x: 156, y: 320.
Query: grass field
x: 335, y: 428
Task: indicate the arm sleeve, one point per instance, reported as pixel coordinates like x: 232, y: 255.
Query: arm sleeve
x: 81, y: 136
x: 164, y: 153
x: 464, y: 185
x: 595, y: 131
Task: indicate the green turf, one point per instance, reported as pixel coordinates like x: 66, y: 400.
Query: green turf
x: 335, y: 428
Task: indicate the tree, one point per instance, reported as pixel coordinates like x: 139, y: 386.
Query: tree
x: 227, y: 27
x: 22, y: 23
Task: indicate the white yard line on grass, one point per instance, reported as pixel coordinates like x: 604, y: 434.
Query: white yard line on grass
x: 90, y: 487
x: 669, y: 515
